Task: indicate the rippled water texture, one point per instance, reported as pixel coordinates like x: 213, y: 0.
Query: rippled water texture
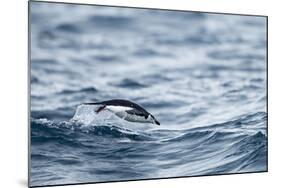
x: 203, y: 76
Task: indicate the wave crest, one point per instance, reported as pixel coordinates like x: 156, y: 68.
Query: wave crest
x: 44, y: 130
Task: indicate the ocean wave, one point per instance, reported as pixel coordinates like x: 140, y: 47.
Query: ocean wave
x: 70, y: 132
x: 107, y: 21
x: 130, y: 84
x: 34, y: 79
x: 172, y: 149
x: 211, y: 134
x: 246, y: 155
x: 234, y: 55
x: 238, y: 122
x: 149, y: 52
x: 68, y: 28
x: 59, y: 114
x: 85, y: 90
x: 107, y: 58
x: 191, y: 136
x: 249, y: 143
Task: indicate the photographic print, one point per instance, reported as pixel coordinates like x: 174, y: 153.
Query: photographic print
x: 120, y: 93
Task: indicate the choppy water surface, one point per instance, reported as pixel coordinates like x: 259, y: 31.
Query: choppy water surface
x: 202, y: 75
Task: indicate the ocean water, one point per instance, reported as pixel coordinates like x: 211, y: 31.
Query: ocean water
x: 203, y: 76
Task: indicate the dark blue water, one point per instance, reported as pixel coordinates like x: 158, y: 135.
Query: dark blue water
x: 203, y: 76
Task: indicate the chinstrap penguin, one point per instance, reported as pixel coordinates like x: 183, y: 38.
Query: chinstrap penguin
x: 126, y: 110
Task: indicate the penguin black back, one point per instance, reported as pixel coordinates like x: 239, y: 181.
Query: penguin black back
x: 120, y: 102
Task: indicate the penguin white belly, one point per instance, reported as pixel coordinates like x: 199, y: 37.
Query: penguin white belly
x: 116, y: 109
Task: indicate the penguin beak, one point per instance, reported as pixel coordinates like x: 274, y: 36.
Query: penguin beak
x: 156, y: 122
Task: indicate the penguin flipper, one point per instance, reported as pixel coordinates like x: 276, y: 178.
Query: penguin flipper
x: 137, y: 112
x: 100, y: 109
